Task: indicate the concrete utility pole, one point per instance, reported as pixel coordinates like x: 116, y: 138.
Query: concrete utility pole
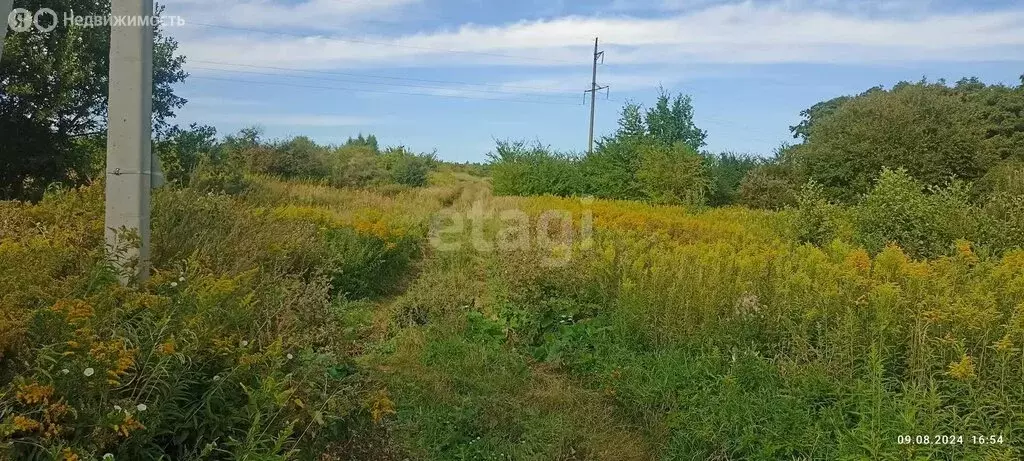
x: 129, y: 133
x: 5, y: 12
x: 593, y: 95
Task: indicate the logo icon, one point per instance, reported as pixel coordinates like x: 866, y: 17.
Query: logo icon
x: 50, y: 25
x: 20, y: 20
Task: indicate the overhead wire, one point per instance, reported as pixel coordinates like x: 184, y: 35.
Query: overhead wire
x: 369, y: 82
x: 365, y: 90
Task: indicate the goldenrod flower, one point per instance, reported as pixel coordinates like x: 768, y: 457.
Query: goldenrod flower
x: 34, y: 393
x: 25, y: 424
x: 962, y: 370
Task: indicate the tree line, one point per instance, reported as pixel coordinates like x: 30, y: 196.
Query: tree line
x: 920, y: 164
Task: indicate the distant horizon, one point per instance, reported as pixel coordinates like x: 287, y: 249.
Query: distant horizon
x: 453, y: 75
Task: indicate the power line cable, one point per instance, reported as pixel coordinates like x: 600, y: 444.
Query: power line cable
x: 388, y: 77
x: 376, y: 83
x: 363, y: 90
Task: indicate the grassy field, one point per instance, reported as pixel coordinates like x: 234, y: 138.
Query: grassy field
x: 309, y: 322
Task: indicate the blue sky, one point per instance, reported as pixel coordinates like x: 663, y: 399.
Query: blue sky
x: 454, y: 75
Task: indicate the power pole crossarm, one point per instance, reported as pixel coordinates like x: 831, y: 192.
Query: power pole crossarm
x: 129, y: 136
x: 5, y: 12
x: 593, y: 95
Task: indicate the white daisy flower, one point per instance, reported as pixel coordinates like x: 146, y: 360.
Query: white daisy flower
x: 88, y: 372
x: 174, y: 284
x: 290, y: 356
x: 141, y: 407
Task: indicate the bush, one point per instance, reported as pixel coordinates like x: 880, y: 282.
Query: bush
x: 1006, y: 178
x: 923, y: 221
x: 611, y: 170
x: 354, y: 166
x: 818, y: 220
x: 519, y: 169
x: 726, y: 172
x: 184, y: 150
x: 767, y: 187
x: 930, y: 130
x: 406, y: 168
x: 1003, y: 221
x: 672, y: 175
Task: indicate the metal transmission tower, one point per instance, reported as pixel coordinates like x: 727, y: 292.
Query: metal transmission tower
x: 129, y: 135
x: 593, y: 94
x: 5, y: 12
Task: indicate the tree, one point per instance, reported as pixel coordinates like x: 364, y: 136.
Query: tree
x: 406, y: 168
x: 368, y: 141
x: 819, y: 111
x: 928, y: 129
x: 672, y: 175
x: 183, y: 150
x: 55, y: 93
x: 612, y: 169
x: 631, y: 122
x: 671, y: 121
x: 726, y: 172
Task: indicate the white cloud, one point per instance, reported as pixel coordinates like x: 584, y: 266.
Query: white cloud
x: 731, y: 33
x: 304, y: 16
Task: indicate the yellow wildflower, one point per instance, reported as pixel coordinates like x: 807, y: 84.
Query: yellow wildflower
x: 859, y: 260
x: 167, y: 348
x: 1004, y: 344
x: 381, y: 406
x: 33, y: 393
x: 126, y: 427
x: 76, y: 310
x: 26, y: 424
x: 962, y: 370
x: 964, y: 251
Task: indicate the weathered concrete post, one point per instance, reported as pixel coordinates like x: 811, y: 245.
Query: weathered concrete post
x: 5, y: 11
x: 129, y: 133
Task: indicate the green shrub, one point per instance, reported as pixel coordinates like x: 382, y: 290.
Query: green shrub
x: 354, y: 166
x: 818, y: 220
x: 672, y: 175
x: 1003, y: 221
x: 519, y: 169
x: 1006, y: 178
x: 768, y: 188
x: 610, y: 171
x: 933, y: 131
x: 184, y: 150
x: 726, y: 171
x: 406, y: 168
x: 923, y: 221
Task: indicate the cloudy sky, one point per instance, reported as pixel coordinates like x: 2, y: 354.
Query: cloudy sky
x: 454, y: 75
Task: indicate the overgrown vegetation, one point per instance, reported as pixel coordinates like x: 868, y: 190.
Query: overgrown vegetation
x: 653, y: 157
x: 306, y: 303
x: 240, y: 345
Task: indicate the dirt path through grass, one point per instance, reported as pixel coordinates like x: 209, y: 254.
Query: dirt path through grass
x: 461, y: 391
